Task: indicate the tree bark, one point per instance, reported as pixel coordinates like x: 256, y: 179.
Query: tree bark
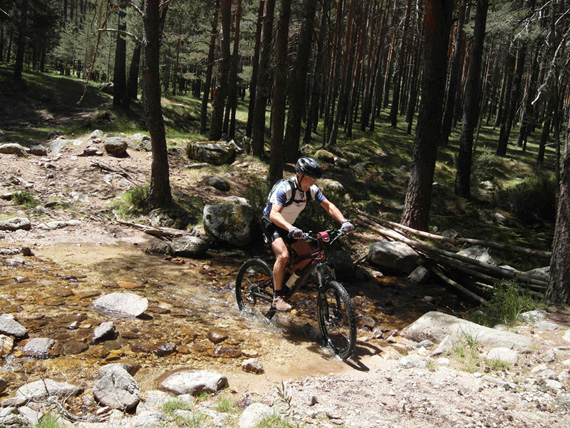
x: 471, y: 111
x: 559, y: 286
x: 278, y: 106
x: 298, y: 93
x: 254, y: 69
x: 159, y: 195
x: 437, y: 24
x: 221, y: 94
x: 120, y: 68
x: 21, y: 47
x: 209, y: 70
x: 263, y: 88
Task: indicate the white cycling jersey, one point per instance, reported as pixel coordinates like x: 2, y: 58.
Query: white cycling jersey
x: 284, y: 193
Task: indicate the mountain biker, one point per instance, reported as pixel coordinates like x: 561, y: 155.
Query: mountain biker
x: 285, y: 203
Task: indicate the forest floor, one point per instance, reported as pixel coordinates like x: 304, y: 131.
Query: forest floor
x: 372, y: 390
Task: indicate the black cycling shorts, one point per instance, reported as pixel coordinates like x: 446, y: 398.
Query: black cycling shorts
x: 271, y: 232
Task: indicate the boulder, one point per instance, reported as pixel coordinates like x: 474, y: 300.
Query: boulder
x: 116, y: 388
x: 16, y: 223
x: 195, y: 382
x: 14, y: 149
x: 116, y: 146
x: 121, y: 305
x: 212, y: 152
x: 190, y: 246
x: 395, y: 257
x: 230, y: 224
x: 437, y: 327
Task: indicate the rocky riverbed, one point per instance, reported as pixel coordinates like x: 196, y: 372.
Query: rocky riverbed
x: 50, y: 277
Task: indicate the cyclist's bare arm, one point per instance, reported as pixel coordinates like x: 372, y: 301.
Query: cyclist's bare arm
x: 277, y: 218
x: 332, y: 210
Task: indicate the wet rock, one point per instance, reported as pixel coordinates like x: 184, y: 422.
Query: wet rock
x: 40, y: 390
x: 253, y: 365
x: 105, y: 330
x: 121, y: 305
x: 254, y: 414
x: 216, y: 337
x: 116, y: 388
x: 38, y: 347
x: 11, y: 327
x: 195, y: 382
x: 190, y: 246
x: 17, y: 223
x: 6, y: 344
x: 165, y: 349
x: 3, y: 385
x: 74, y: 347
x: 225, y: 351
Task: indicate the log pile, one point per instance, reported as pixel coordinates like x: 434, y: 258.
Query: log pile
x: 471, y: 277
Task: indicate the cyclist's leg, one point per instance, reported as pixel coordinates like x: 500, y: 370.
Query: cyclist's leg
x: 281, y: 260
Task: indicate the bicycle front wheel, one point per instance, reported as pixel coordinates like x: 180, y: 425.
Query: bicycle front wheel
x: 337, y: 320
x: 254, y: 288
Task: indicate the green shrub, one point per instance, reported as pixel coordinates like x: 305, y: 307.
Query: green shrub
x: 532, y: 201
x: 49, y: 421
x: 134, y: 201
x: 25, y: 198
x: 508, y: 301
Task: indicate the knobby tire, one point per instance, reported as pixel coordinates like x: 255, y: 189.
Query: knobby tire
x: 254, y: 288
x: 337, y: 319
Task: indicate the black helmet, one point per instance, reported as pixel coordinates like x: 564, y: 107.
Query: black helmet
x: 309, y: 167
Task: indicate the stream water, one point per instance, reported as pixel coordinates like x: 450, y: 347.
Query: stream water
x: 192, y: 319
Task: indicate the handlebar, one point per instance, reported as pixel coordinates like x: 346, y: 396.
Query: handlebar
x: 326, y: 236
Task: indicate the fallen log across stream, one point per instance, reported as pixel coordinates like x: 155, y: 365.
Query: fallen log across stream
x: 469, y: 276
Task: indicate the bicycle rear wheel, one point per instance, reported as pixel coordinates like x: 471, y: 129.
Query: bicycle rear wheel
x: 337, y: 320
x: 254, y: 288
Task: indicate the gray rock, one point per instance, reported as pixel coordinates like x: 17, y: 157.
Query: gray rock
x: 103, y: 331
x: 97, y: 135
x: 14, y: 149
x: 116, y: 146
x: 153, y: 401
x: 117, y: 389
x: 212, y: 152
x: 436, y: 326
x: 479, y: 253
x: 419, y: 275
x: 532, y: 316
x: 38, y: 347
x: 3, y: 385
x: 230, y: 224
x: 41, y: 389
x: 393, y: 256
x: 254, y: 414
x: 253, y: 365
x: 16, y: 223
x: 190, y: 246
x: 413, y: 361
x: 236, y: 200
x: 11, y: 327
x: 121, y: 305
x: 218, y: 183
x: 195, y: 382
x: 38, y: 150
x: 545, y: 325
x: 9, y: 417
x: 504, y: 355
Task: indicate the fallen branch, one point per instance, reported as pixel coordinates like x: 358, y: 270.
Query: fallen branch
x: 457, y: 286
x: 160, y: 232
x: 119, y: 171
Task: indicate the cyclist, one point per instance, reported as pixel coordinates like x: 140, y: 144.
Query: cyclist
x: 285, y: 203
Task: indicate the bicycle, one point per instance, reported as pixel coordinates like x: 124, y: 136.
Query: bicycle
x: 336, y: 316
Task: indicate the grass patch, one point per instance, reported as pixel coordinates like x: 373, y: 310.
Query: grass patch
x: 25, y: 198
x: 49, y: 421
x: 507, y: 303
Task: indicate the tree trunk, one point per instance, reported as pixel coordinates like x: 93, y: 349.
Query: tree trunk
x: 471, y: 111
x: 437, y: 24
x: 159, y: 195
x: 558, y: 291
x: 454, y: 76
x: 400, y: 69
x: 230, y: 117
x: 298, y: 93
x: 209, y: 70
x: 254, y: 69
x: 263, y: 88
x: 21, y: 48
x: 217, y: 122
x: 120, y: 68
x: 278, y: 106
x: 133, y: 80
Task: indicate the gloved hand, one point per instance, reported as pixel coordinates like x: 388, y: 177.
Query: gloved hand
x: 295, y: 233
x: 346, y: 227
